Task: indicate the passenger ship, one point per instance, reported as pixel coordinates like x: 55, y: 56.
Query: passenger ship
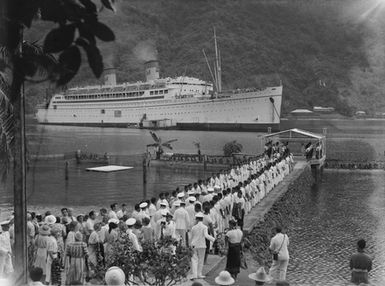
x: 181, y: 102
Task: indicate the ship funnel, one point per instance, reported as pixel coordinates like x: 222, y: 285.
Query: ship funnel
x: 152, y: 70
x: 109, y: 76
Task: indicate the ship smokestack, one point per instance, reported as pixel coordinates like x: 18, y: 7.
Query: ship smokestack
x: 109, y: 76
x: 151, y: 70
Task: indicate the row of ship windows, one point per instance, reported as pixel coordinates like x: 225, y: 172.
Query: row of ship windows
x: 170, y: 107
x: 141, y: 104
x: 98, y: 96
x: 152, y: 92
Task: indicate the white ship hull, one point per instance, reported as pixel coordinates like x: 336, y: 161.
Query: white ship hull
x: 241, y: 108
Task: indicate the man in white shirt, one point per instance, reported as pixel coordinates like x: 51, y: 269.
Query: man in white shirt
x: 163, y: 200
x: 122, y: 212
x: 90, y: 224
x: 135, y: 243
x: 191, y: 211
x: 152, y: 207
x: 182, y: 222
x: 169, y: 229
x: 112, y: 213
x: 279, y: 245
x: 209, y: 196
x: 199, y: 234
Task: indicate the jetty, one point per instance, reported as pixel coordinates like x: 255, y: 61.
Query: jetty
x: 303, y: 143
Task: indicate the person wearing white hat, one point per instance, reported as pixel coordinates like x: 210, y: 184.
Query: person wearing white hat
x: 181, y: 196
x: 209, y: 196
x: 182, y: 222
x: 115, y: 276
x: 5, y: 252
x: 169, y: 229
x: 157, y: 216
x: 260, y: 277
x: 199, y: 234
x: 142, y: 214
x: 50, y: 220
x: 191, y: 211
x: 175, y: 205
x: 224, y: 278
x: 41, y: 245
x: 135, y: 243
x: 162, y: 200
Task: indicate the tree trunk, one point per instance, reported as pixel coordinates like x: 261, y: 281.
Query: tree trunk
x: 19, y: 171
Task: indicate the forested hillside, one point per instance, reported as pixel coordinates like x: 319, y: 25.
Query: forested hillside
x: 326, y: 53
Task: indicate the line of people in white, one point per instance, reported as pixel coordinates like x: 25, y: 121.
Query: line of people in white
x: 194, y: 216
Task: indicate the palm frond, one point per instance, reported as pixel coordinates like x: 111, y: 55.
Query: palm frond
x: 170, y: 141
x: 167, y: 146
x: 153, y: 145
x: 7, y: 124
x: 155, y: 137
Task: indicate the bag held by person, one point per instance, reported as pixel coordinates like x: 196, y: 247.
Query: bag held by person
x: 275, y: 256
x: 275, y: 253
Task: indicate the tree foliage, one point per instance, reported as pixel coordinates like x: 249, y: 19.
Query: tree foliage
x: 158, y: 144
x: 232, y: 147
x: 161, y: 263
x: 76, y: 26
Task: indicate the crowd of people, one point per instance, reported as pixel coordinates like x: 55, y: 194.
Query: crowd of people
x: 206, y: 216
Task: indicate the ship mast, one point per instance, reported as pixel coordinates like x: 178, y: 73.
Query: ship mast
x: 218, y: 65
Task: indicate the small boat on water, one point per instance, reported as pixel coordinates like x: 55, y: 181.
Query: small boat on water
x: 88, y: 158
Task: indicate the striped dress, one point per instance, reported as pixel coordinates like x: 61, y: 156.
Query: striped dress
x: 76, y: 268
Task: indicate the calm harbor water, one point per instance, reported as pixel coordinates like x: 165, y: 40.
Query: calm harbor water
x: 47, y: 188
x: 346, y: 206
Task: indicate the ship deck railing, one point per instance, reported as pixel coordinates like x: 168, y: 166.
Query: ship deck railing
x: 108, y: 89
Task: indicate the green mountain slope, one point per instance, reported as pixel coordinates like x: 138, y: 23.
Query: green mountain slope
x: 318, y: 50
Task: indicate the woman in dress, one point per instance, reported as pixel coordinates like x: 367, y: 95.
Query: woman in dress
x: 111, y: 236
x: 52, y: 258
x: 93, y: 246
x: 76, y: 257
x: 233, y: 240
x: 41, y: 242
x: 73, y: 227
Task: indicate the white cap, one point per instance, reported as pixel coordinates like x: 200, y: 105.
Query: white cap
x: 115, y: 276
x: 176, y: 203
x: 199, y: 215
x: 113, y: 220
x: 180, y: 195
x: 143, y: 205
x: 210, y: 190
x: 192, y: 199
x: 131, y: 221
x: 50, y: 219
x: 162, y: 203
